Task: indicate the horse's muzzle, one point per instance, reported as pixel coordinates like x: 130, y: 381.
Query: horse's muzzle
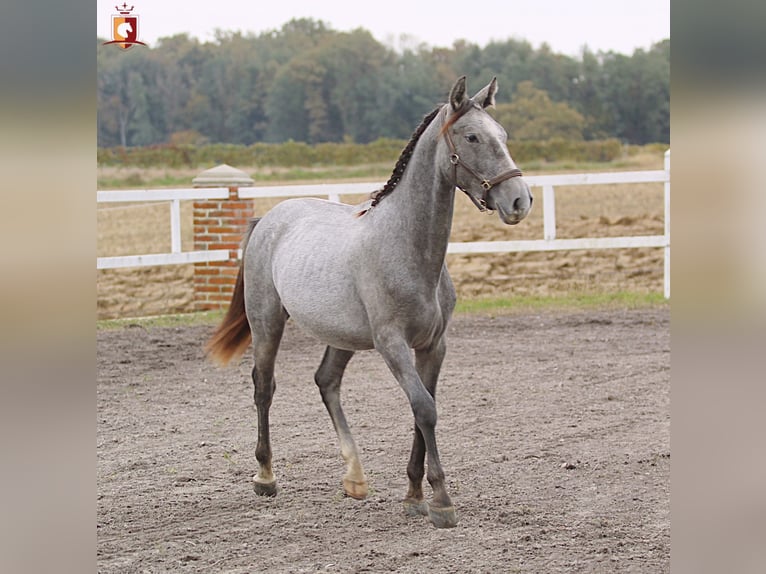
x: 513, y: 203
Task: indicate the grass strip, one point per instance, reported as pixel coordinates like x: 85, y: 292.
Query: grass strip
x: 519, y: 304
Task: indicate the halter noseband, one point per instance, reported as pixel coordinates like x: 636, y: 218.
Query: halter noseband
x: 454, y: 159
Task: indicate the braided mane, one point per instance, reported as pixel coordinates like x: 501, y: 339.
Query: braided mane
x: 404, y: 159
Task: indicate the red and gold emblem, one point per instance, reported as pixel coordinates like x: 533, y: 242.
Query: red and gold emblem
x: 125, y: 28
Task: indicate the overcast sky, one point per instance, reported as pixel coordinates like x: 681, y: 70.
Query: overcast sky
x: 566, y: 25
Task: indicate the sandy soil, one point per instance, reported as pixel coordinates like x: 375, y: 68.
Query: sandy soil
x: 553, y: 431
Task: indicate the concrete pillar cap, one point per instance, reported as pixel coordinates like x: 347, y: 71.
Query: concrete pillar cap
x: 222, y: 176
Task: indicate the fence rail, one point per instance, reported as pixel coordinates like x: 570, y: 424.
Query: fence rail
x: 549, y: 242
x: 176, y: 256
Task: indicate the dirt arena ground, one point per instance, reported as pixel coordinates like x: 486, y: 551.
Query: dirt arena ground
x: 554, y: 431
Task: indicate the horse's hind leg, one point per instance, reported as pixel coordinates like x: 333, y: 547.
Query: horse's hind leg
x: 266, y: 338
x: 328, y: 378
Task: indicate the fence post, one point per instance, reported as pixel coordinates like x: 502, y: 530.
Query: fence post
x: 219, y: 224
x: 549, y: 213
x: 666, y: 279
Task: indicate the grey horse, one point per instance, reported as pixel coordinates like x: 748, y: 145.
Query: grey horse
x: 374, y: 277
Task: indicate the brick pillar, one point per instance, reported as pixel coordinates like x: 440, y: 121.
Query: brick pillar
x: 219, y: 224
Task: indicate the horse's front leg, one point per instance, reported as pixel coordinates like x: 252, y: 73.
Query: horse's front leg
x: 396, y: 353
x: 428, y: 364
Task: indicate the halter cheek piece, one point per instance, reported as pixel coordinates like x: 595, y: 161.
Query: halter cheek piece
x: 486, y: 184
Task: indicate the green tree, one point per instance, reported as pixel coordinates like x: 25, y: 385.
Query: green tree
x: 286, y: 107
x: 180, y: 60
x: 533, y: 116
x: 353, y: 64
x: 408, y: 90
x: 309, y: 83
x: 589, y: 98
x: 331, y: 92
x: 123, y: 102
x: 636, y: 91
x: 141, y: 131
x: 554, y: 73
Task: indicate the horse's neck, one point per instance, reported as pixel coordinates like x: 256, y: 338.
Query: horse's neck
x: 416, y: 217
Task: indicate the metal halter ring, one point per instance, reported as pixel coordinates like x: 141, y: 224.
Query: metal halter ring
x: 454, y: 159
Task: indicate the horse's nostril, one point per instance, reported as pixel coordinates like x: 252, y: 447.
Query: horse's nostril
x: 517, y: 204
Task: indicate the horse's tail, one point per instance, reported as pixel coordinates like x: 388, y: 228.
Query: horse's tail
x: 232, y: 336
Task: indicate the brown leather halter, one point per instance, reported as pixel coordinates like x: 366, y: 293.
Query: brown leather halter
x: 486, y: 184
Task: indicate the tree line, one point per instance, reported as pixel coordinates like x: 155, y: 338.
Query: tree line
x: 309, y: 83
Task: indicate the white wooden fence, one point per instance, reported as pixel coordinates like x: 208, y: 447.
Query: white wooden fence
x: 549, y: 242
x: 174, y: 196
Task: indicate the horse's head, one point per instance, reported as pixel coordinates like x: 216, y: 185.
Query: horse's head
x: 481, y: 165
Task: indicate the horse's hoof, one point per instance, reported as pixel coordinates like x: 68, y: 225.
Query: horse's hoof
x: 442, y: 517
x: 264, y: 488
x: 415, y: 507
x: 355, y: 489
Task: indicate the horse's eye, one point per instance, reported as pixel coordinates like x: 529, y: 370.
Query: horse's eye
x: 471, y: 138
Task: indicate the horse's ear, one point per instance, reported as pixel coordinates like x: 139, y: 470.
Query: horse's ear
x: 457, y: 94
x: 486, y: 96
